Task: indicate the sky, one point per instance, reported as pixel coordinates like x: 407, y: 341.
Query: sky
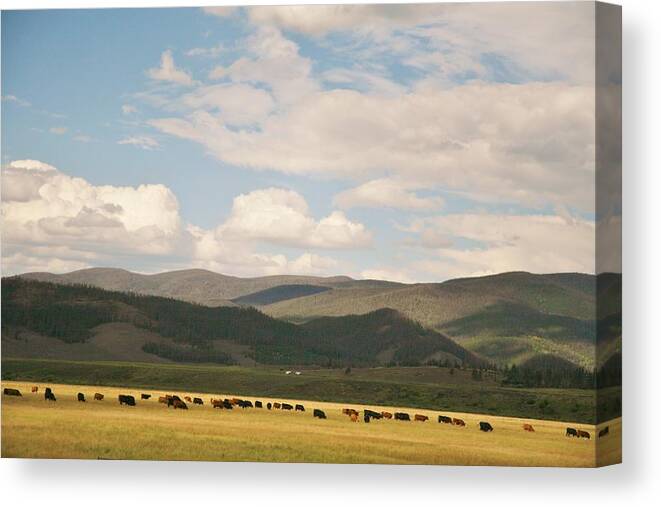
x: 401, y: 142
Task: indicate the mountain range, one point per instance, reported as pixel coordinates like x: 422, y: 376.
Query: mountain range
x: 507, y: 318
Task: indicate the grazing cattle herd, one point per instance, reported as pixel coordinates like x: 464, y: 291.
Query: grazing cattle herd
x: 173, y: 400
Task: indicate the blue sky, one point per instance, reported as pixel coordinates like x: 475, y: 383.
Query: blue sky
x: 414, y: 143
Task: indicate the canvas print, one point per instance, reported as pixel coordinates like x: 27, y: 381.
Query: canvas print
x: 333, y: 234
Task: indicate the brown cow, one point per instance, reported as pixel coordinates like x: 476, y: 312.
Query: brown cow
x: 35, y: 389
x: 217, y: 403
x: 386, y: 415
x: 179, y: 404
x: 188, y: 399
x: 98, y: 396
x: 528, y: 427
x: 276, y: 405
x: 458, y: 422
x: 350, y: 412
x: 583, y: 434
x: 421, y: 418
x: 198, y: 401
x: 354, y: 417
x: 162, y: 399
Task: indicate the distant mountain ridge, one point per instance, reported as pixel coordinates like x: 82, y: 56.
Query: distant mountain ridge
x: 191, y: 285
x: 508, y: 317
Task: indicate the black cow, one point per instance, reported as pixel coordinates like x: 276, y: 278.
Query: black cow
x: 300, y: 408
x: 268, y: 405
x: 444, y: 419
x: 571, y: 432
x: 373, y: 415
x: 198, y: 401
x: 258, y: 404
x: 81, y: 397
x: 49, y: 395
x: 12, y: 392
x: 485, y: 426
x: 583, y: 434
x: 603, y: 432
x: 286, y: 406
x: 318, y: 413
x: 144, y: 396
x: 227, y: 404
x: 126, y: 399
x: 402, y: 416
x: 366, y: 418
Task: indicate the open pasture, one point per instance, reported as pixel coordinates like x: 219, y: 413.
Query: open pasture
x: 35, y: 428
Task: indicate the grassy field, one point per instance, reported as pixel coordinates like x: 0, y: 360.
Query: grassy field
x: 424, y: 387
x: 34, y: 428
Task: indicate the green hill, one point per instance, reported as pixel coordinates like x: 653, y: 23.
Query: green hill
x: 279, y: 293
x: 506, y: 318
x: 186, y: 332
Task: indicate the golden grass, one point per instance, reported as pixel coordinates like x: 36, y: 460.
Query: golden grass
x: 34, y: 428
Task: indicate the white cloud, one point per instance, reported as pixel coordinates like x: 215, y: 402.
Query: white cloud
x: 169, y: 72
x: 549, y: 38
x: 45, y: 210
x: 144, y: 142
x: 58, y: 130
x: 275, y: 62
x: 531, y: 144
x: 486, y: 244
x: 129, y: 109
x: 321, y: 19
x: 236, y: 104
x: 82, y: 138
x: 363, y: 80
x: 385, y: 193
x: 282, y: 217
x: 58, y: 223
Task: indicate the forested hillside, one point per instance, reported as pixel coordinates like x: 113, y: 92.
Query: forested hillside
x: 72, y: 312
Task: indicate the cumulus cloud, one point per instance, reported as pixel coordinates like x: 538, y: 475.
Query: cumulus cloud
x: 144, y: 142
x: 385, y: 193
x: 169, y: 72
x: 46, y: 212
x: 282, y: 216
x: 56, y: 222
x: 129, y: 109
